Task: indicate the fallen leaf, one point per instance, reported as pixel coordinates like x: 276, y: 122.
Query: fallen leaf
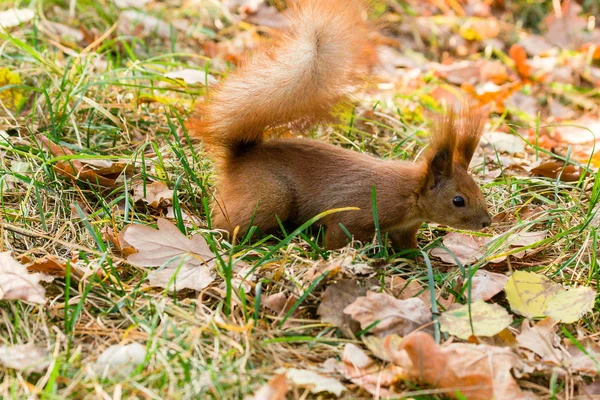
x: 529, y: 294
x: 541, y: 339
x: 18, y: 284
x: 483, y: 319
x: 278, y: 302
x: 64, y: 32
x: 402, y: 289
x: 503, y: 142
x: 335, y: 299
x: 394, y: 316
x: 137, y: 23
x: 570, y: 305
x: 101, y: 172
x: 131, y: 3
x: 480, y: 28
x: 275, y: 389
x: 192, y: 76
x: 48, y: 265
x: 519, y: 56
x: 476, y: 372
x: 120, y: 359
x: 466, y: 248
x: 590, y: 391
x: 314, y: 381
x: 376, y: 346
x: 15, y: 17
x: 586, y: 362
x: 185, y: 263
x: 485, y: 285
x: 157, y: 194
x: 556, y: 169
x: 24, y: 357
x: 362, y: 370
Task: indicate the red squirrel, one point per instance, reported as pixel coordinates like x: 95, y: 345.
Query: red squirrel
x: 296, y: 81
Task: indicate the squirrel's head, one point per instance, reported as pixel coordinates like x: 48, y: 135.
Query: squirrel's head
x: 450, y: 195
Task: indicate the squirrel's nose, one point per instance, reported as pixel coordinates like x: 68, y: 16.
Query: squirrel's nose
x: 486, y: 222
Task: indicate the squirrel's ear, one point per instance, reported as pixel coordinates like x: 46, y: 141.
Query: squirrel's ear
x: 441, y: 155
x: 470, y: 128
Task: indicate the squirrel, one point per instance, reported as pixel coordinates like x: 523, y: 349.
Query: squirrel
x: 296, y: 81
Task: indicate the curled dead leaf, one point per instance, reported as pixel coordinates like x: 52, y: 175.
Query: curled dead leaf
x: 386, y: 315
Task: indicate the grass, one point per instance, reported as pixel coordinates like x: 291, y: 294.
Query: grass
x: 112, y: 103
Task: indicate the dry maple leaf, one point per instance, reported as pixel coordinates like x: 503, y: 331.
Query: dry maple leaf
x: 476, y: 372
x: 394, y: 316
x: 335, y: 299
x: 24, y: 357
x: 156, y: 195
x: 275, y: 389
x: 18, y: 284
x: 185, y: 263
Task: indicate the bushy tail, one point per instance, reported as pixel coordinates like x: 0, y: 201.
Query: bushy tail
x: 298, y: 78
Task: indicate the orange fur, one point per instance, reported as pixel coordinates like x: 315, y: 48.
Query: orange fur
x: 298, y: 80
x: 307, y: 69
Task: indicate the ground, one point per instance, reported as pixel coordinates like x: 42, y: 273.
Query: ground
x: 93, y: 96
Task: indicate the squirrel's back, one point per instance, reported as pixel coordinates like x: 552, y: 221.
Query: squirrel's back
x: 297, y: 79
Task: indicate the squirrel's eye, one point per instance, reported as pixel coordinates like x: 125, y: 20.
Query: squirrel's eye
x: 458, y: 201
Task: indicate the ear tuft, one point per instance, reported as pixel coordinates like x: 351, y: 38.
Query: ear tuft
x: 442, y: 148
x: 470, y: 128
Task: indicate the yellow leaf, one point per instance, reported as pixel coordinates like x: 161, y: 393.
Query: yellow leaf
x: 570, y: 305
x: 13, y: 97
x: 487, y: 320
x: 529, y: 294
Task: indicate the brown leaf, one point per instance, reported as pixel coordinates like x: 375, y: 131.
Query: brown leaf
x: 157, y: 194
x: 403, y: 289
x: 24, y: 357
x: 555, y: 169
x: 519, y: 56
x: 468, y: 249
x: 477, y: 372
x: 362, y: 370
x: 275, y: 389
x: 105, y: 174
x: 541, y: 339
x: 185, y: 263
x: 279, y: 302
x: 48, y: 265
x: 335, y: 299
x: 485, y: 285
x: 18, y: 284
x: 394, y: 316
